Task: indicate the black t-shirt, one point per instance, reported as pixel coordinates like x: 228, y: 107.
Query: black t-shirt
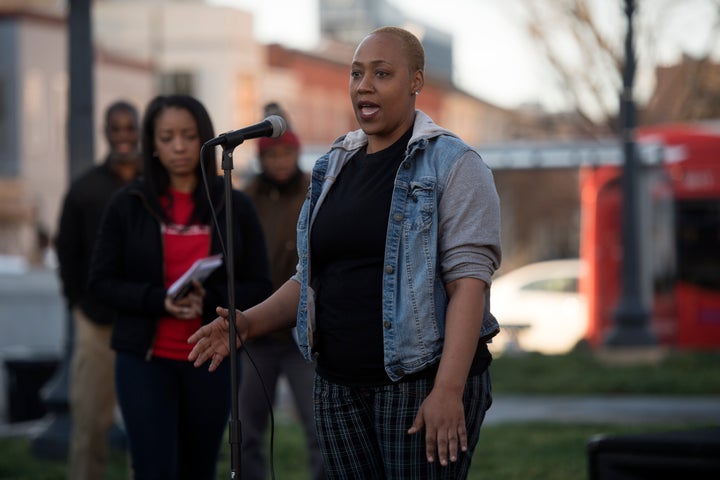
x: 348, y: 248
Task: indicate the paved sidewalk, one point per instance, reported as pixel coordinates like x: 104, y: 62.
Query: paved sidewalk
x: 28, y: 429
x: 626, y: 409
x: 636, y: 409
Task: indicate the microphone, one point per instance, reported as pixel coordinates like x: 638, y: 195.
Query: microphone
x: 273, y: 126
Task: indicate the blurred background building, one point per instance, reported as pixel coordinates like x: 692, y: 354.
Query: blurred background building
x: 143, y: 47
x: 350, y: 21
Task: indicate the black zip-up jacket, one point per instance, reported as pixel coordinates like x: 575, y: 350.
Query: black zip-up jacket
x: 81, y: 213
x: 127, y: 268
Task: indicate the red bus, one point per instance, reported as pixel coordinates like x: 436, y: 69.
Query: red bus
x: 679, y: 215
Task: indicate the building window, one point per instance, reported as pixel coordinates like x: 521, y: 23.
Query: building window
x: 8, y: 159
x: 177, y: 83
x: 4, y: 120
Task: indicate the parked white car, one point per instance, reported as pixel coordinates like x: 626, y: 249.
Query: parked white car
x: 539, y: 308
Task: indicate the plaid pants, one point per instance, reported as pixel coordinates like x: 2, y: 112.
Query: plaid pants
x: 363, y: 430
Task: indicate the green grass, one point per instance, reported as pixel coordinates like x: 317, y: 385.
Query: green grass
x: 677, y: 373
x: 540, y: 451
x: 506, y: 452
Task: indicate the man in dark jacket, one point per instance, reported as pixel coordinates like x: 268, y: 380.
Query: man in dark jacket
x: 278, y: 193
x: 92, y: 388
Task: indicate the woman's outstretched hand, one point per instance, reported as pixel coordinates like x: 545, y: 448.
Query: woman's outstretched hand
x: 212, y: 342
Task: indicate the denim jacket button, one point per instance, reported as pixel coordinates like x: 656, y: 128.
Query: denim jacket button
x: 406, y: 165
x: 387, y: 325
x: 398, y: 217
x: 389, y: 269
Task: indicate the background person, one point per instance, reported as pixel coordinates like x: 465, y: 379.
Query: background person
x: 278, y: 192
x: 152, y: 231
x: 92, y: 389
x: 398, y: 241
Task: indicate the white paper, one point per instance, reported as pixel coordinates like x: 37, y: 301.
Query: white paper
x: 199, y: 270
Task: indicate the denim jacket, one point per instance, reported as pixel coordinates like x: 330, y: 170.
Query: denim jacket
x: 444, y: 224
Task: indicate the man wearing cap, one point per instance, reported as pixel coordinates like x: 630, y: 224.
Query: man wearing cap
x: 278, y: 192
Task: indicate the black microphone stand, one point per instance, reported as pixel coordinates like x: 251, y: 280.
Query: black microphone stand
x: 235, y: 426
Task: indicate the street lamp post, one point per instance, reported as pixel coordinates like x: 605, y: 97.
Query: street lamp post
x: 631, y: 317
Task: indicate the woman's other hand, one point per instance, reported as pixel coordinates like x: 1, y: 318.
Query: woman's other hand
x: 189, y: 306
x: 443, y: 417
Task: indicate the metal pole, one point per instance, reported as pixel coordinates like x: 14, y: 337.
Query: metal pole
x: 81, y: 153
x: 631, y: 317
x: 235, y: 427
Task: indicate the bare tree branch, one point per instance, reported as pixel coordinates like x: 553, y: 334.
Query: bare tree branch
x: 587, y: 56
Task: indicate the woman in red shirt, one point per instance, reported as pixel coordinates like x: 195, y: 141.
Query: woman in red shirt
x: 153, y: 231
